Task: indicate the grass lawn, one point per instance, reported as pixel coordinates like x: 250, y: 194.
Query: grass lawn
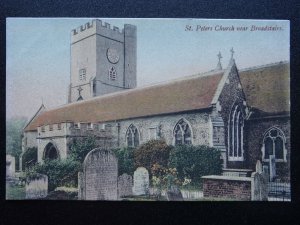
x: 15, y: 192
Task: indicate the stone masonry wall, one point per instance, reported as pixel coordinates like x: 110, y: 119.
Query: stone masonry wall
x: 199, y: 122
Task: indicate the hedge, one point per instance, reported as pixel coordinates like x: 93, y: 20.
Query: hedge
x: 193, y: 162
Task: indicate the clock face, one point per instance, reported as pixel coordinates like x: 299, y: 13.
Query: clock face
x: 112, y: 55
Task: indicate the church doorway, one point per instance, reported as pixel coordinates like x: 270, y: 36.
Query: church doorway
x: 50, y: 152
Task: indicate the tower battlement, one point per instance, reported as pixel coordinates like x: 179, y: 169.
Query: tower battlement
x: 93, y: 23
x: 97, y: 27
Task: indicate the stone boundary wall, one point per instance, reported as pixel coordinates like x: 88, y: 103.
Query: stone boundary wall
x: 227, y: 187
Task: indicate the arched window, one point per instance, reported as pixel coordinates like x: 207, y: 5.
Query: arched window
x: 182, y: 133
x: 274, y: 140
x: 50, y: 152
x: 235, y: 134
x: 132, y: 136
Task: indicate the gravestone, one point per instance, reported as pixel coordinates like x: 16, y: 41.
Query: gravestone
x: 272, y: 167
x: 10, y: 166
x: 174, y: 194
x: 100, y: 175
x: 125, y: 185
x: 36, y: 187
x: 80, y: 186
x: 141, y: 181
x: 259, y: 189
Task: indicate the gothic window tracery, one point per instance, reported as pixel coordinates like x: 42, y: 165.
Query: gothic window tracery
x: 235, y: 134
x: 182, y: 133
x: 132, y: 136
x: 273, y: 144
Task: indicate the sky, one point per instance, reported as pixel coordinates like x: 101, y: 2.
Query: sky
x: 38, y: 53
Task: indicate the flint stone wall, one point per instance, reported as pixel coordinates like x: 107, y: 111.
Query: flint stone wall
x: 100, y: 175
x: 37, y: 188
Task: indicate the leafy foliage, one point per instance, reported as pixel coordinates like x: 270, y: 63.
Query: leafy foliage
x: 80, y: 147
x: 60, y: 172
x: 193, y: 162
x: 152, y: 152
x: 14, y: 129
x: 29, y: 157
x: 125, y: 160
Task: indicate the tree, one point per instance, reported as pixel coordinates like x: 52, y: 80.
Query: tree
x: 125, y: 160
x: 152, y: 152
x: 14, y: 130
x: 81, y: 146
x: 29, y: 157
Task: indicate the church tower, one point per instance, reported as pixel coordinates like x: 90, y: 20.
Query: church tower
x: 103, y: 60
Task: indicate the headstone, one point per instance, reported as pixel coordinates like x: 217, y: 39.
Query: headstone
x: 141, y: 181
x: 37, y: 187
x: 258, y: 166
x: 10, y: 166
x: 100, y: 169
x: 80, y: 186
x: 272, y: 167
x: 259, y: 189
x: 125, y: 185
x: 174, y: 194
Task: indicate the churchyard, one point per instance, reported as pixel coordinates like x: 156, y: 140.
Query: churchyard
x: 152, y: 172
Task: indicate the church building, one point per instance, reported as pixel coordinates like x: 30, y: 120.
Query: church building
x: 243, y: 112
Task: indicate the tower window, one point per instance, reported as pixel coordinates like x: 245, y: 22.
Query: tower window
x: 112, y: 73
x: 82, y: 74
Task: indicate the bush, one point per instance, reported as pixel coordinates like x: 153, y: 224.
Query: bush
x: 193, y: 162
x: 152, y: 152
x: 80, y: 147
x: 125, y: 160
x: 60, y: 172
x: 29, y: 157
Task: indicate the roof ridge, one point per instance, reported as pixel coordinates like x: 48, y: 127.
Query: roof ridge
x: 264, y: 65
x: 159, y: 84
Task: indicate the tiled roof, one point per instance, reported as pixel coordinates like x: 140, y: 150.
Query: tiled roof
x: 195, y: 92
x: 267, y: 88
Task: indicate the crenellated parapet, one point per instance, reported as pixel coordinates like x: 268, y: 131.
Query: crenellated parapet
x: 97, y: 27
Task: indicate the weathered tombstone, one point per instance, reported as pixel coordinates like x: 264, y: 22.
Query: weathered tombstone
x: 141, y: 181
x: 125, y: 185
x: 36, y: 187
x: 80, y: 186
x: 272, y: 167
x: 174, y: 194
x: 10, y: 166
x: 259, y: 189
x: 100, y: 175
x: 258, y: 167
